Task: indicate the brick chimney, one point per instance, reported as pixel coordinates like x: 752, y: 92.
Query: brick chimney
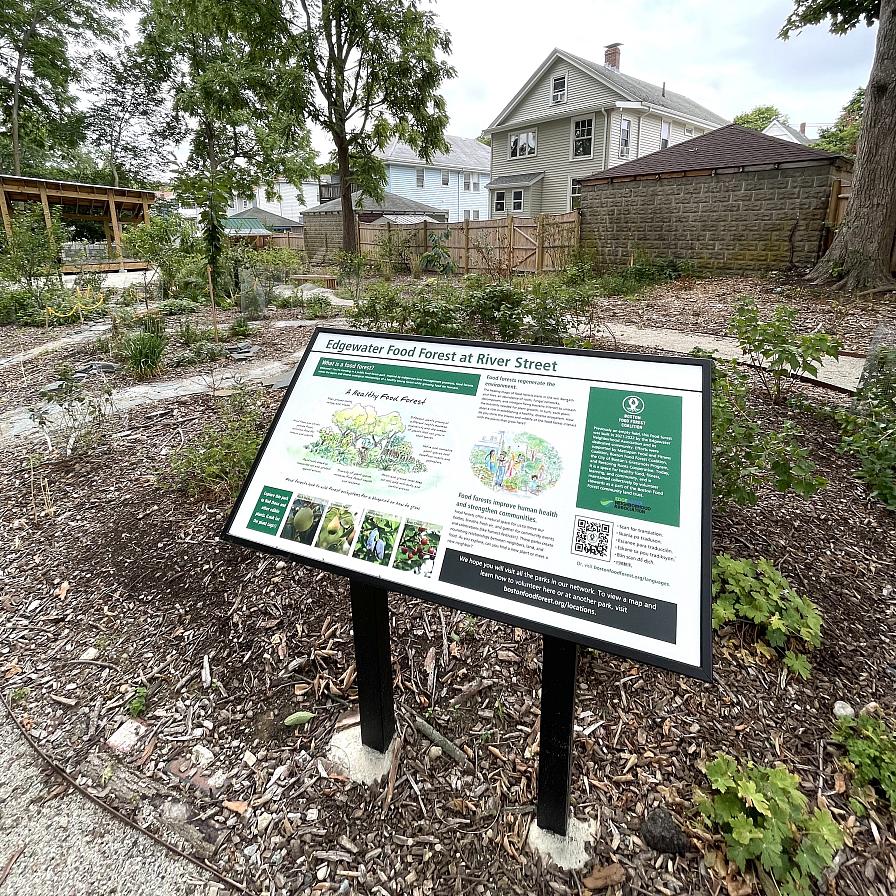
x: 611, y: 56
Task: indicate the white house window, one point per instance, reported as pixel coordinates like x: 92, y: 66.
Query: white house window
x: 558, y: 89
x: 475, y: 214
x: 582, y: 138
x: 499, y: 200
x: 475, y: 181
x: 419, y: 177
x: 466, y: 180
x: 575, y: 194
x: 522, y: 144
x: 444, y: 178
x: 517, y: 201
x: 665, y: 130
x: 625, y: 138
x: 466, y: 214
x: 689, y: 132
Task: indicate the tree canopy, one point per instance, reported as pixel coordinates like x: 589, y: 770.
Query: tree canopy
x: 377, y: 68
x: 843, y: 135
x: 759, y: 117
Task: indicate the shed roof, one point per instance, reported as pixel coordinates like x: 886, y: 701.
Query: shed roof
x: 234, y: 226
x: 390, y: 203
x: 406, y: 219
x: 269, y: 219
x: 729, y: 147
x: 466, y: 153
x: 508, y: 181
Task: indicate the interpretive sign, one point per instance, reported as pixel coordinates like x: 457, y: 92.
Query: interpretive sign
x: 560, y: 490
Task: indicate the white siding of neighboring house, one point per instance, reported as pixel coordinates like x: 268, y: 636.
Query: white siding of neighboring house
x: 453, y: 199
x: 582, y: 92
x: 288, y: 202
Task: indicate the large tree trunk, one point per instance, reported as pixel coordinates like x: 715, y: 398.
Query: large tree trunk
x: 14, y: 115
x: 349, y: 233
x: 860, y: 256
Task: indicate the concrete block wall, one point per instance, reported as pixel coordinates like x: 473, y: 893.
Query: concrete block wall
x: 750, y: 220
x: 323, y: 237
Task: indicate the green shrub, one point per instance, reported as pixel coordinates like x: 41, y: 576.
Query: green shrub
x: 870, y: 749
x: 142, y: 353
x: 869, y: 428
x: 777, y: 349
x: 756, y: 592
x: 744, y: 458
x: 767, y: 827
x: 318, y: 305
x: 200, y: 352
x: 191, y: 335
x: 644, y: 271
x: 239, y: 328
x: 179, y: 306
x: 217, y: 462
x: 137, y: 704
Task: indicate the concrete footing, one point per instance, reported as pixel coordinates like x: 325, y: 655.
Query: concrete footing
x: 357, y: 762
x: 569, y: 852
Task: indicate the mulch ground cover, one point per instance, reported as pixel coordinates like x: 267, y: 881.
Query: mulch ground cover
x: 705, y: 305
x: 117, y: 598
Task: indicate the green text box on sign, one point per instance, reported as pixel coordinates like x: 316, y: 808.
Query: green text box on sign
x: 398, y: 375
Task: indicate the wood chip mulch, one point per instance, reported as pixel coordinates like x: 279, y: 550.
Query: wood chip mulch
x: 113, y: 580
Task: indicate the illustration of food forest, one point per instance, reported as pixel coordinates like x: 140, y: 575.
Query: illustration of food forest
x: 516, y: 462
x: 360, y: 437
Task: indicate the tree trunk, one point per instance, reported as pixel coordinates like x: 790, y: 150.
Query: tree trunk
x: 349, y: 233
x: 860, y: 256
x: 14, y: 115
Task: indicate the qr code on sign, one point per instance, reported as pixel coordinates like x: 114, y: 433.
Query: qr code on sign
x: 593, y: 538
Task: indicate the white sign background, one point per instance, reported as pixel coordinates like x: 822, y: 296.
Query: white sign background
x: 526, y: 396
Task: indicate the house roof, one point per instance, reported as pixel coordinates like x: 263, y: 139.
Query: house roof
x: 465, y: 153
x: 235, y: 226
x: 390, y: 203
x: 631, y: 89
x: 269, y: 219
x: 407, y: 219
x: 729, y: 147
x: 509, y: 181
x: 798, y: 136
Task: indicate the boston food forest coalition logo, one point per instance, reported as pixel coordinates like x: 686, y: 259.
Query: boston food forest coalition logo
x: 631, y: 404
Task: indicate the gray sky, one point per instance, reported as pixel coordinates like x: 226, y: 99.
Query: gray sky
x: 724, y: 55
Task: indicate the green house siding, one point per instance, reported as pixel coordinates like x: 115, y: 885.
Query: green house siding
x: 582, y: 93
x: 554, y: 157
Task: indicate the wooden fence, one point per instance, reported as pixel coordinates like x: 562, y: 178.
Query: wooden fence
x: 522, y: 245
x: 840, y: 194
x: 287, y: 240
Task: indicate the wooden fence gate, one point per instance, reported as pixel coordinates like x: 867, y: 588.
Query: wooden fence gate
x: 840, y: 195
x: 518, y: 244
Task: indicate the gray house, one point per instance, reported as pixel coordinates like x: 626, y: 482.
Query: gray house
x: 573, y: 118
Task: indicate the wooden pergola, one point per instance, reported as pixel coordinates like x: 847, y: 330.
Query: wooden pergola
x: 111, y: 206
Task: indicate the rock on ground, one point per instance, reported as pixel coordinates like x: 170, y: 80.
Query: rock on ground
x: 73, y: 847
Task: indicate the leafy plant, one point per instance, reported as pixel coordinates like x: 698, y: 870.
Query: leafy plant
x: 217, y: 462
x: 193, y: 335
x: 756, y: 592
x: 744, y: 457
x: 870, y: 748
x: 142, y: 352
x: 644, y: 271
x: 239, y: 328
x: 377, y: 539
x: 138, y: 703
x: 437, y: 258
x: 869, y: 428
x: 73, y: 410
x: 337, y: 530
x: 777, y: 349
x: 179, y: 306
x: 200, y: 352
x: 767, y: 827
x: 417, y: 548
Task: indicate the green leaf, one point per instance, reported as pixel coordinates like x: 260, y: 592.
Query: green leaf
x: 302, y: 717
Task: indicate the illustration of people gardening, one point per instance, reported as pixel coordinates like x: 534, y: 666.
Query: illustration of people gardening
x: 523, y: 463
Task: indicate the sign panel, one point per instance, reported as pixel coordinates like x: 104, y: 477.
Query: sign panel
x: 560, y: 490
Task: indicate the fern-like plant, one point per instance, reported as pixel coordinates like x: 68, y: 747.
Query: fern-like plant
x: 767, y: 826
x: 756, y: 592
x: 870, y: 748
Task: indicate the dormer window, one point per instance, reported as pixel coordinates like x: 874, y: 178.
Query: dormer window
x: 558, y: 89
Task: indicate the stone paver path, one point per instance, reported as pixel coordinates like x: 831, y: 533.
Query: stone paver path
x: 843, y: 372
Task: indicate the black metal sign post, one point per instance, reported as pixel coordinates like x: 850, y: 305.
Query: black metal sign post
x: 373, y: 664
x: 558, y: 699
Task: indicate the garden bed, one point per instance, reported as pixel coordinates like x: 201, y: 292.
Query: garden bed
x: 115, y: 588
